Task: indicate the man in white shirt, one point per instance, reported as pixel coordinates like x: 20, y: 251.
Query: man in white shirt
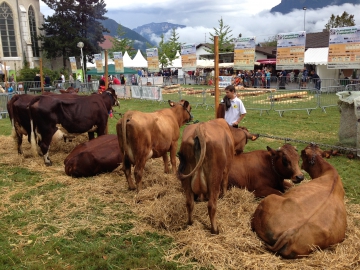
x: 235, y: 110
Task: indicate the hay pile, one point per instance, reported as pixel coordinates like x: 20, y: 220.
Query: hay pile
x: 160, y: 207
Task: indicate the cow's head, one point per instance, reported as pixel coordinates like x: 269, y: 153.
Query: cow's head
x: 285, y: 163
x: 241, y: 136
x: 186, y: 106
x: 111, y: 92
x: 309, y: 156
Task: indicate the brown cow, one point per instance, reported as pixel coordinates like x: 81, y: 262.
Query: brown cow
x: 93, y: 157
x: 75, y: 114
x: 69, y: 90
x: 150, y: 135
x: 308, y: 216
x: 206, y: 152
x: 263, y: 172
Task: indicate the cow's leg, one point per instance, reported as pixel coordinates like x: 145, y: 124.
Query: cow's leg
x: 91, y: 135
x: 214, y: 191
x: 173, y: 150
x: 189, y: 199
x: 19, y: 143
x: 224, y: 182
x: 138, y: 172
x: 166, y: 163
x: 126, y: 168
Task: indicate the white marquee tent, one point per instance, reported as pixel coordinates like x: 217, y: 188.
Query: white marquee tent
x: 139, y: 61
x: 128, y: 62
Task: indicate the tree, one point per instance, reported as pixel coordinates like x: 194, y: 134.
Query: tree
x: 340, y: 21
x: 167, y: 49
x: 225, y: 38
x: 271, y: 42
x: 73, y: 21
x: 121, y: 44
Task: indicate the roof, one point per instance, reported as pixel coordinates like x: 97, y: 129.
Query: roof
x: 317, y: 40
x: 107, y: 44
x: 316, y: 56
x: 269, y: 51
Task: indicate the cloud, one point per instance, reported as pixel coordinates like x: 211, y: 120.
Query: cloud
x: 248, y: 17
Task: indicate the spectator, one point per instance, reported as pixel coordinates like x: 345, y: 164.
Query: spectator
x: 316, y: 79
x: 116, y: 80
x: 235, y: 110
x: 304, y: 78
x: 47, y: 81
x: 122, y: 79
x: 71, y: 80
x: 37, y: 80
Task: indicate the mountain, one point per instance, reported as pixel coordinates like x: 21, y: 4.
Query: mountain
x: 139, y: 40
x: 157, y: 29
x: 287, y: 6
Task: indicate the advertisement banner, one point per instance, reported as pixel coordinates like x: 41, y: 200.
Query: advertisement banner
x: 290, y: 50
x: 244, y: 53
x: 152, y: 59
x: 344, y: 48
x: 98, y: 62
x: 73, y: 64
x: 119, y: 63
x: 188, y: 57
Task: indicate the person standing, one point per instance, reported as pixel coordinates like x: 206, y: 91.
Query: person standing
x: 304, y: 78
x: 267, y: 78
x: 37, y: 80
x: 116, y: 80
x: 316, y: 79
x: 234, y: 108
x: 122, y: 79
x: 62, y: 77
x: 47, y: 81
x: 71, y: 80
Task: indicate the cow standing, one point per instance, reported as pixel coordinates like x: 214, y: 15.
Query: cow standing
x: 75, y: 114
x: 150, y: 135
x: 206, y: 152
x: 310, y: 215
x: 263, y: 171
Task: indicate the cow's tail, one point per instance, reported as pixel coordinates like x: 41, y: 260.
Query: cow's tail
x: 33, y: 141
x: 199, y: 142
x: 283, y: 240
x: 10, y: 109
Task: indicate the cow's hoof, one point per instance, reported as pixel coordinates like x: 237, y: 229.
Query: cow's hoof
x: 48, y: 164
x: 214, y: 231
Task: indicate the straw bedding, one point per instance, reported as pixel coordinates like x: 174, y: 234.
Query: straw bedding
x: 160, y: 207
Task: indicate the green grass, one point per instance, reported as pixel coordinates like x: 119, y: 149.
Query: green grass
x: 33, y: 200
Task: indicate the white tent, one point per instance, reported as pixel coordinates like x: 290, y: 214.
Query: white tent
x: 176, y: 63
x: 205, y: 63
x: 128, y: 62
x: 139, y: 61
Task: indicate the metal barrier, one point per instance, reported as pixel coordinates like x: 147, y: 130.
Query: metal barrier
x: 4, y: 98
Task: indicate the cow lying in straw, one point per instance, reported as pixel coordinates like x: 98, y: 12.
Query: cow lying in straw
x: 309, y: 216
x: 263, y: 172
x: 206, y: 152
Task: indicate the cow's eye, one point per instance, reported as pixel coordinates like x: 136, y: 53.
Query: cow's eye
x: 285, y: 161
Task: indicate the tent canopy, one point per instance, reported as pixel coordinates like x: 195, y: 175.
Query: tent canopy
x: 139, y: 61
x: 111, y: 71
x: 316, y: 56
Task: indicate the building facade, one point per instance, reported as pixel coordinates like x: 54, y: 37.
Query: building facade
x: 19, y: 26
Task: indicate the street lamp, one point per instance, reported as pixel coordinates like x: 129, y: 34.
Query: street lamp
x: 304, y: 9
x: 81, y: 45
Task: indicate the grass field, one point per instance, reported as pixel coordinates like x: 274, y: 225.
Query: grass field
x: 51, y: 221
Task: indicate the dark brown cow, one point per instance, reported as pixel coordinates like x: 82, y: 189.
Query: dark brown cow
x: 263, y: 172
x: 94, y: 157
x: 75, y: 114
x: 150, y: 135
x: 206, y: 152
x: 309, y: 216
x: 19, y: 117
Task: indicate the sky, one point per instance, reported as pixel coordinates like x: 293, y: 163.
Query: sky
x: 248, y: 17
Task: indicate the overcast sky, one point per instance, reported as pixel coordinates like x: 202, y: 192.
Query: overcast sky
x: 248, y: 17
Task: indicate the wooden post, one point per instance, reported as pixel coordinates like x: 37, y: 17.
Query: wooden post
x: 106, y: 70
x: 41, y: 77
x: 216, y: 69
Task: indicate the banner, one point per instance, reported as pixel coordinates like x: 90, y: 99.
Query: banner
x: 188, y: 57
x: 152, y: 59
x: 119, y: 63
x: 290, y: 50
x: 73, y: 64
x: 344, y: 48
x: 98, y: 62
x: 244, y: 53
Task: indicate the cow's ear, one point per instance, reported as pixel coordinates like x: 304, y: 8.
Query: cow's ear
x: 272, y: 152
x: 171, y: 103
x: 186, y: 104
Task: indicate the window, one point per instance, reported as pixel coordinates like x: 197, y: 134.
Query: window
x: 33, y: 34
x: 7, y: 31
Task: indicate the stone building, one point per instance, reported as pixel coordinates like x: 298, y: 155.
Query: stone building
x: 19, y: 26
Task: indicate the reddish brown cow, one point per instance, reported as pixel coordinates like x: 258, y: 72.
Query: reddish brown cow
x: 94, y: 157
x: 150, y: 135
x: 311, y: 215
x: 75, y: 114
x: 206, y: 152
x: 263, y: 172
